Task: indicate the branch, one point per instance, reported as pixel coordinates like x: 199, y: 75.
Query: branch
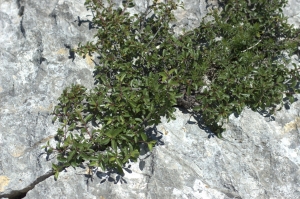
x: 252, y: 46
x: 153, y: 37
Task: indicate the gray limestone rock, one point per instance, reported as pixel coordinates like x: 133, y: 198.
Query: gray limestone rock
x: 258, y: 158
x: 35, y: 67
x: 292, y: 12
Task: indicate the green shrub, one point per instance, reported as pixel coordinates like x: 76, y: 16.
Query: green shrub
x: 234, y: 59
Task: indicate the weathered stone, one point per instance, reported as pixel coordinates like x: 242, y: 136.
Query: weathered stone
x: 292, y: 12
x: 35, y: 67
x: 257, y: 159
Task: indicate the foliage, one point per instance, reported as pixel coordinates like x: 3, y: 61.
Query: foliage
x: 232, y: 60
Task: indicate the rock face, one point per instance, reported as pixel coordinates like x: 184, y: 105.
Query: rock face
x: 257, y: 159
x: 35, y: 67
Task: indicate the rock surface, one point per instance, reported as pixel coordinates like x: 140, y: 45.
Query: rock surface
x: 35, y: 67
x: 257, y: 159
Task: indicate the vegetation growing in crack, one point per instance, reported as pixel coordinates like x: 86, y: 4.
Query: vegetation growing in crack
x: 233, y: 60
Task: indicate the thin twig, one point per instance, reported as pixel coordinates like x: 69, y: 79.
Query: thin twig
x: 252, y: 46
x: 154, y: 37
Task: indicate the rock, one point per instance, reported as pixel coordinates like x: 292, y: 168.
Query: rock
x: 257, y: 159
x: 292, y: 12
x: 35, y: 67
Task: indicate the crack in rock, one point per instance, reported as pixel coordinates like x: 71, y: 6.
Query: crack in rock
x: 22, y: 28
x: 21, y: 11
x: 18, y: 194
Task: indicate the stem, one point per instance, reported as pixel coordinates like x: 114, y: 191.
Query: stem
x: 252, y: 46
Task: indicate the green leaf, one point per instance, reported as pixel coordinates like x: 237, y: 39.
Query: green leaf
x: 174, y: 70
x: 130, y: 146
x: 73, y: 164
x: 179, y: 95
x: 112, y: 159
x: 122, y: 77
x: 189, y: 90
x: 71, y: 155
x: 54, y: 167
x: 94, y: 164
x: 105, y: 141
x: 197, y: 108
x: 226, y: 8
x: 56, y: 175
x: 135, y: 139
x: 113, y: 133
x: 139, y: 120
x: 85, y: 156
x: 135, y: 154
x: 150, y: 146
x: 114, y: 145
x: 291, y: 99
x: 54, y: 119
x: 65, y: 110
x: 120, y: 170
x: 61, y: 159
x: 118, y: 162
x: 72, y: 127
x: 87, y: 119
x: 144, y: 137
x: 219, y: 135
x: 164, y: 76
x: 49, y: 151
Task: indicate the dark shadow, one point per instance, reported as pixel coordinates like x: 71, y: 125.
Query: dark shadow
x: 142, y: 165
x: 42, y: 59
x: 21, y: 11
x: 71, y: 52
x: 120, y: 179
x: 128, y: 170
x: 236, y: 115
x: 286, y: 104
x: 202, y: 126
x: 54, y: 16
x: 22, y: 29
x: 145, y: 151
x: 199, y: 121
x: 96, y: 71
x: 48, y: 158
x: 266, y: 114
x: 112, y: 176
x: 80, y: 21
x: 155, y: 134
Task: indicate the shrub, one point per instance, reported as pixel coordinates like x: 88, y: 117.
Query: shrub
x: 234, y: 59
